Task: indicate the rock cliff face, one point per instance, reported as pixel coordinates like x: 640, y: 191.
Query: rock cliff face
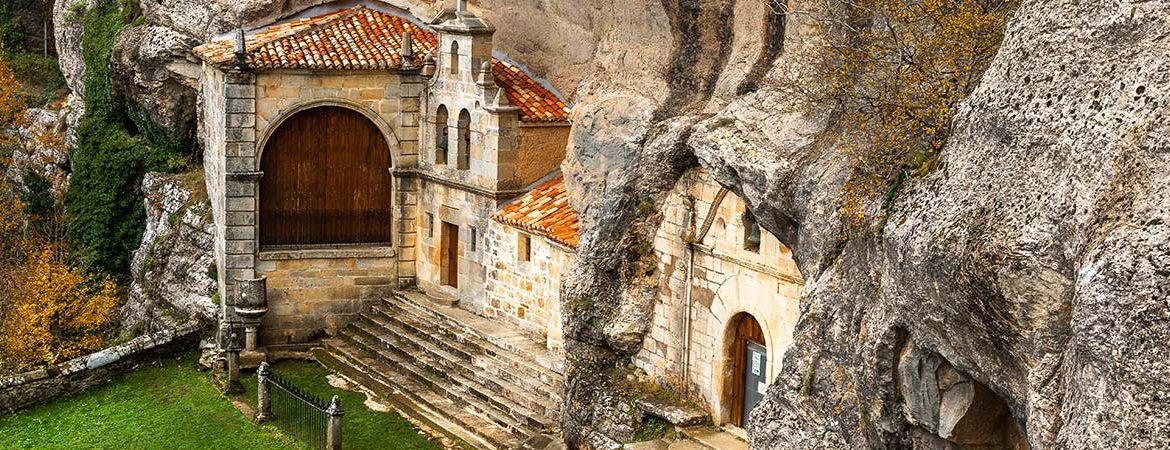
x: 173, y: 271
x: 1017, y: 294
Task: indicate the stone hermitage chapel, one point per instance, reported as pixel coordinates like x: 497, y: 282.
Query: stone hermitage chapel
x: 395, y: 182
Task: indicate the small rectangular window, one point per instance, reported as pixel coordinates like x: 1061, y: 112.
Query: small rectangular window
x: 430, y: 230
x: 524, y: 248
x: 474, y: 239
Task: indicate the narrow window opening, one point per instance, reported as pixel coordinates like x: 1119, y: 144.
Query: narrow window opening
x: 751, y: 228
x: 454, y: 58
x: 430, y: 230
x: 474, y: 244
x: 464, y: 157
x: 442, y: 135
x: 524, y: 248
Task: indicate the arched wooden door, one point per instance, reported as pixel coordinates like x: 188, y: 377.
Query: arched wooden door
x: 749, y: 372
x: 326, y: 181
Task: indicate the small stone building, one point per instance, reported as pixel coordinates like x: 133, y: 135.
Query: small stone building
x: 532, y: 240
x: 728, y: 302
x: 353, y: 151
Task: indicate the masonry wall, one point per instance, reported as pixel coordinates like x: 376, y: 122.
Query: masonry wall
x: 526, y: 293
x: 727, y: 280
x: 467, y: 210
x: 313, y: 293
x: 541, y: 150
x: 212, y: 114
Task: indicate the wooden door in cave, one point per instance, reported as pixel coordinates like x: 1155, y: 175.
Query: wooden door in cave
x: 326, y: 181
x: 749, y: 357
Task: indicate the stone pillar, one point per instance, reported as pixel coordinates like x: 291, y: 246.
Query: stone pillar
x: 242, y: 178
x: 263, y: 400
x: 333, y: 432
x: 406, y: 187
x: 232, y: 385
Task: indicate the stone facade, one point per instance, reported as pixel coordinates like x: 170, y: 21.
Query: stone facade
x: 314, y: 290
x: 526, y: 292
x: 463, y: 185
x: 727, y: 279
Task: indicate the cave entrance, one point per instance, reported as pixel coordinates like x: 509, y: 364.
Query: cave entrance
x: 748, y: 377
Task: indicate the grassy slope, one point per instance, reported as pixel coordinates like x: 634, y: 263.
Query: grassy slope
x: 164, y: 405
x: 169, y: 405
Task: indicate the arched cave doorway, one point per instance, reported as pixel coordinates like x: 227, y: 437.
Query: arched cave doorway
x: 747, y: 378
x: 326, y: 181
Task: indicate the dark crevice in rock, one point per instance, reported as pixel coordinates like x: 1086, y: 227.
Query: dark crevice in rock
x: 773, y: 39
x: 703, y: 40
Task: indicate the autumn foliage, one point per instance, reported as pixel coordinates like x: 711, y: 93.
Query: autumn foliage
x: 49, y: 311
x: 894, y: 72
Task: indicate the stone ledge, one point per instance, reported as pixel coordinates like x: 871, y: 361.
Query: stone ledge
x: 41, y: 385
x: 284, y: 254
x: 680, y: 416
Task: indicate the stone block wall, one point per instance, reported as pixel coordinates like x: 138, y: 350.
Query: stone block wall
x: 313, y: 293
x: 526, y: 293
x: 467, y: 210
x: 727, y: 280
x: 541, y: 150
x: 78, y: 374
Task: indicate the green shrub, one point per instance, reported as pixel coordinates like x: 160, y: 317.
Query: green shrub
x: 106, y: 210
x: 37, y: 197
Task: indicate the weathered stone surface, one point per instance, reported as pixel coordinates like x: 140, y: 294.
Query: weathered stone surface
x: 78, y: 374
x: 152, y: 69
x: 173, y: 271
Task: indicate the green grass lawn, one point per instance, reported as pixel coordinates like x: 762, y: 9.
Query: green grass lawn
x: 169, y: 405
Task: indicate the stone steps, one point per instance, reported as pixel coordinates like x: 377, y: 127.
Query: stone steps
x: 414, y: 399
x: 521, y: 350
x: 441, y: 376
x: 478, y: 379
x: 480, y: 354
x: 486, y: 382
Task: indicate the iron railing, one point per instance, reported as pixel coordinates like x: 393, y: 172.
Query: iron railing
x: 299, y: 413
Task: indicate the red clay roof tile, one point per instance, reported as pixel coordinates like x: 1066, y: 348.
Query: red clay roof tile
x: 544, y: 210
x: 361, y: 38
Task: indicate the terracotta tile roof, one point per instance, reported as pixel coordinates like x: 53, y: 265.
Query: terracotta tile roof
x: 361, y: 38
x: 544, y: 210
x: 536, y: 102
x: 358, y: 38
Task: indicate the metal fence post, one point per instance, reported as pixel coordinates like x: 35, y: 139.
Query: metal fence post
x: 333, y: 431
x: 263, y: 400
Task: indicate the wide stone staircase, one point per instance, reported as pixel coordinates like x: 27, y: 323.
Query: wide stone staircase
x: 474, y: 379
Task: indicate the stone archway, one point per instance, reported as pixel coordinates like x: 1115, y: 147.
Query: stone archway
x: 326, y: 181
x: 745, y: 348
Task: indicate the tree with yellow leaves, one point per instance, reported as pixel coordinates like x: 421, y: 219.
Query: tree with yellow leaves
x: 894, y: 73
x: 56, y: 312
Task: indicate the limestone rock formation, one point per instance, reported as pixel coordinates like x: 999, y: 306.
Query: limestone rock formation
x: 67, y: 27
x: 173, y: 271
x: 154, y: 68
x: 1028, y: 274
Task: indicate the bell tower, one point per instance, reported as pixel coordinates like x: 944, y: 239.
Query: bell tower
x: 465, y: 43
